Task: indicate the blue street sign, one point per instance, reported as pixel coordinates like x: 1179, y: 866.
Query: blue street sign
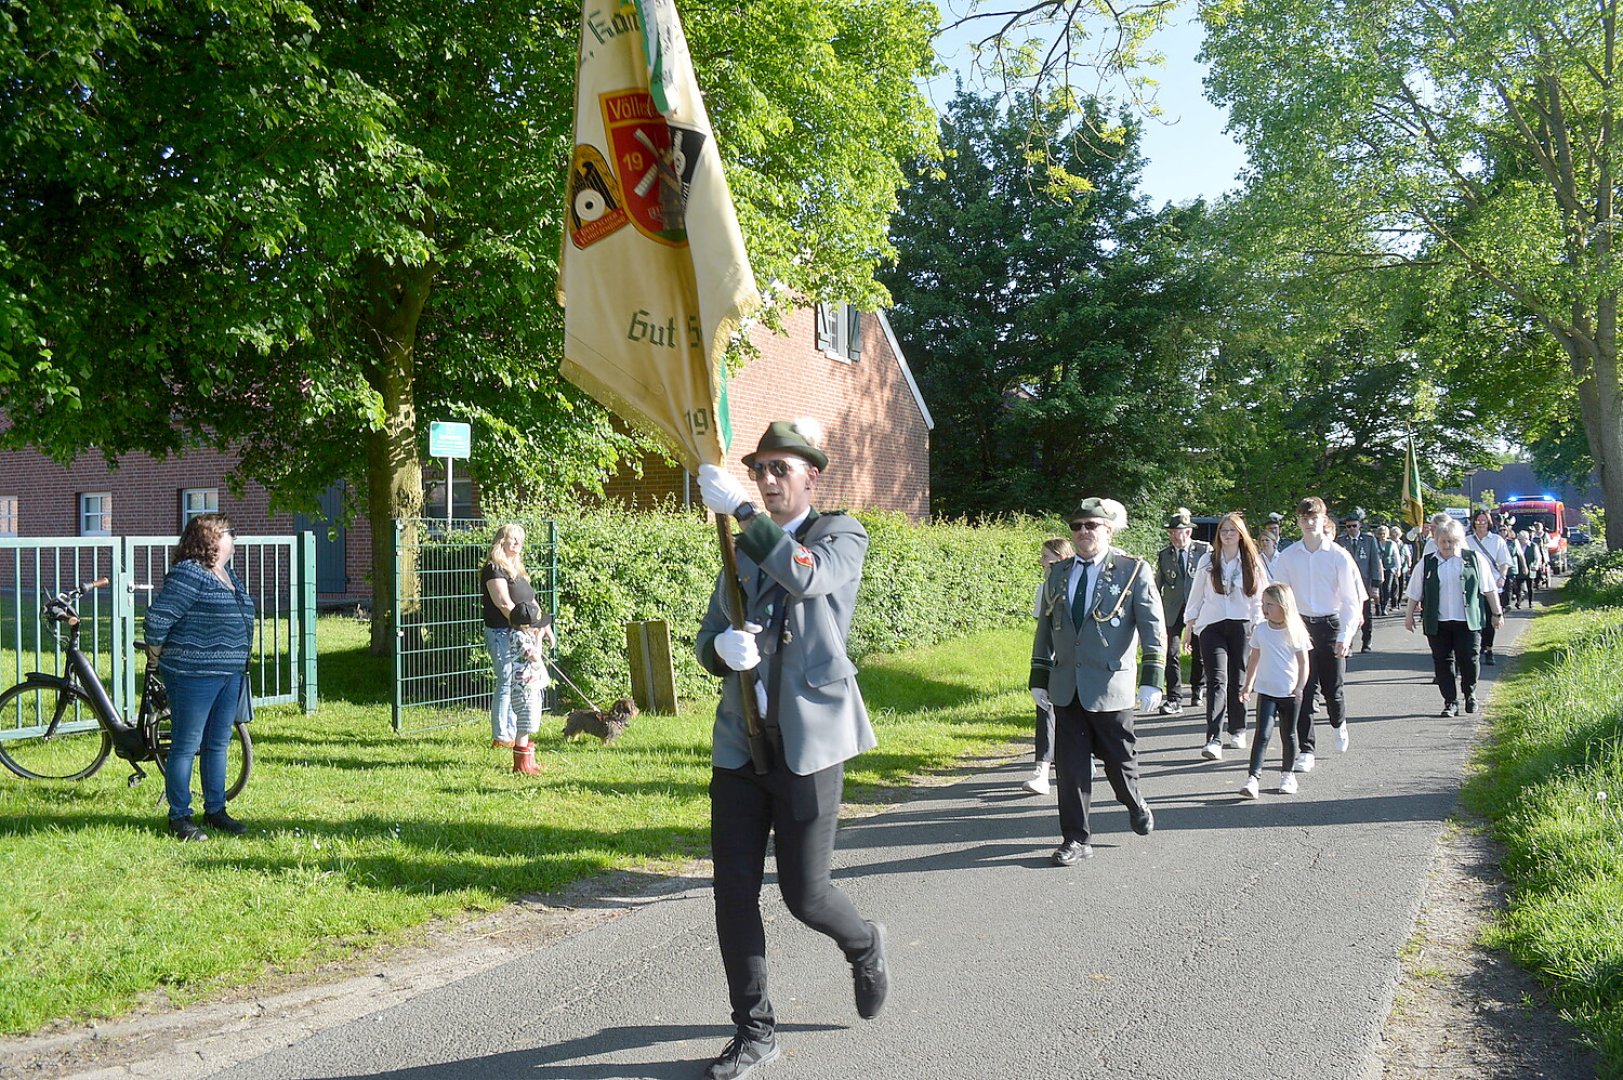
x: 448, y: 440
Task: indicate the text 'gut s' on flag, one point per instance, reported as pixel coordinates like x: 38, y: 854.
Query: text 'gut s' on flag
x: 654, y: 277
x: 1414, y: 509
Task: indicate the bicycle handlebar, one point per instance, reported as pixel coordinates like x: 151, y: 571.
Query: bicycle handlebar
x: 60, y: 607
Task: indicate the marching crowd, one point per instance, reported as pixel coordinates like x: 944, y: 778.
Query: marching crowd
x: 1269, y: 623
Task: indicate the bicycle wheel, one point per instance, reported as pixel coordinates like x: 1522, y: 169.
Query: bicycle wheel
x: 50, y: 733
x: 239, y: 761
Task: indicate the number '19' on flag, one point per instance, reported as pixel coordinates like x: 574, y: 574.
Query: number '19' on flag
x: 654, y: 278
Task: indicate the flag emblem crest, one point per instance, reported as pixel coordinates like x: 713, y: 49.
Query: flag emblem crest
x: 596, y: 207
x: 654, y: 161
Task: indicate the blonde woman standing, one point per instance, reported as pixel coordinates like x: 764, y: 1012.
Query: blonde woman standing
x: 1225, y: 602
x: 505, y: 585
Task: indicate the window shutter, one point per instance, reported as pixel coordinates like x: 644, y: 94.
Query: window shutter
x: 825, y: 339
x: 853, y: 333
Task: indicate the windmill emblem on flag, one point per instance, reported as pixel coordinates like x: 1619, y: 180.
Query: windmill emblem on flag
x: 655, y: 161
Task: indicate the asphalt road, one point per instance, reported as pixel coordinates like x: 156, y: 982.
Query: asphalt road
x: 1241, y: 939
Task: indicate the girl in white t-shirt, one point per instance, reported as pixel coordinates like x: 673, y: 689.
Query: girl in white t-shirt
x: 1277, y: 671
x: 1054, y: 551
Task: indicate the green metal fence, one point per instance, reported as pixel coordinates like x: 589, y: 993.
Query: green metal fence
x: 278, y: 571
x: 442, y: 671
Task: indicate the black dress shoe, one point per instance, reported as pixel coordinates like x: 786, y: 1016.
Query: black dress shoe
x: 1367, y: 648
x: 186, y: 830
x: 871, y: 976
x: 1071, y: 852
x: 740, y: 1057
x: 1487, y: 658
x: 225, y: 823
x: 1470, y: 705
x: 1142, y: 820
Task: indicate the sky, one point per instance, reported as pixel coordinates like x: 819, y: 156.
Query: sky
x: 1189, y: 155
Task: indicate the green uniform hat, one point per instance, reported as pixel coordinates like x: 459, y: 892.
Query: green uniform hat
x: 782, y: 436
x: 1109, y: 511
x: 1181, y: 519
x: 1355, y: 514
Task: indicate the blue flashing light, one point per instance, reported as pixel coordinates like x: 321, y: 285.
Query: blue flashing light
x: 1548, y: 497
x: 1515, y: 498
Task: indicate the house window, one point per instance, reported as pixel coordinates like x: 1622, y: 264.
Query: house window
x: 8, y: 515
x: 195, y: 501
x: 839, y: 331
x: 95, y: 513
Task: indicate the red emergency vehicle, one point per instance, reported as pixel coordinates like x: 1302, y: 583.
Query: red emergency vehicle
x: 1553, y: 513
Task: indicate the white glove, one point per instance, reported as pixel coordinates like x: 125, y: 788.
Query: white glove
x: 1149, y: 699
x: 737, y: 648
x: 1040, y: 696
x: 720, y: 489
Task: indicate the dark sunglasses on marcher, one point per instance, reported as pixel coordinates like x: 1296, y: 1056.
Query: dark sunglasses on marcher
x: 1090, y: 525
x: 777, y: 467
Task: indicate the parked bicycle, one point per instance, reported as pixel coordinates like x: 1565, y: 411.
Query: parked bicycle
x: 62, y: 727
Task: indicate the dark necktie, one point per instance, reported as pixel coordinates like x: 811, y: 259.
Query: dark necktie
x: 1079, y: 602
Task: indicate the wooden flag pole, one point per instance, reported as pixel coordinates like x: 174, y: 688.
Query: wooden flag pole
x: 760, y: 751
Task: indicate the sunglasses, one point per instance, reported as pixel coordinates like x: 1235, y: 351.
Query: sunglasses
x: 1090, y: 525
x: 777, y: 467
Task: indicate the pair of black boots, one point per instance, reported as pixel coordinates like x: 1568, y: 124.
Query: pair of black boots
x: 187, y: 831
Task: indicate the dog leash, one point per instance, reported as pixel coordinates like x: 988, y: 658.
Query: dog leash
x: 556, y: 670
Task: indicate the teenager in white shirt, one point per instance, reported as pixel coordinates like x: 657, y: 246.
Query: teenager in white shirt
x: 1225, y: 602
x: 1277, y: 672
x: 1458, y: 592
x: 1329, y: 593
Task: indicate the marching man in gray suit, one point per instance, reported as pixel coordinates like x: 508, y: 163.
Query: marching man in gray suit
x: 799, y: 571
x: 1097, y: 609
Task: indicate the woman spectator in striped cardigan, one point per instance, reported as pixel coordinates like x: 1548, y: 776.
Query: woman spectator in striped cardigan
x: 198, y: 631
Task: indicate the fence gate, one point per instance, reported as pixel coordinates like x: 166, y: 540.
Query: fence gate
x: 278, y: 572
x: 442, y: 670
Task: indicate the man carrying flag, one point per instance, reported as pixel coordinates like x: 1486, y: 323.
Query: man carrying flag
x: 655, y: 281
x: 800, y: 572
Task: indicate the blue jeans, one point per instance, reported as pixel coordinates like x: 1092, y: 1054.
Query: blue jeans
x: 1270, y: 709
x: 503, y: 646
x: 202, y: 710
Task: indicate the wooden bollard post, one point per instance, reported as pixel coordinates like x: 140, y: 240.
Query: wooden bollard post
x: 653, y: 678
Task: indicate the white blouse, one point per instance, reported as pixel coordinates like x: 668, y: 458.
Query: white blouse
x: 1206, y: 605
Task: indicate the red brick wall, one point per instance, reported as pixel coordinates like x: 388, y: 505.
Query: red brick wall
x: 876, y: 438
x: 146, y: 500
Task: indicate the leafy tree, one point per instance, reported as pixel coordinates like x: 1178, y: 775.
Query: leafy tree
x: 1044, y: 310
x: 1477, y: 139
x: 295, y: 227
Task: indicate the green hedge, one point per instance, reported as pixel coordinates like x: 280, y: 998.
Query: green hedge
x: 921, y: 584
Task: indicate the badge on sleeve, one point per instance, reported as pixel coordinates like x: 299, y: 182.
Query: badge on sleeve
x: 804, y: 557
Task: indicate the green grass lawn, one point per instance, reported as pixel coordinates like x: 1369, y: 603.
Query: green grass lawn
x: 360, y: 836
x: 1551, y: 781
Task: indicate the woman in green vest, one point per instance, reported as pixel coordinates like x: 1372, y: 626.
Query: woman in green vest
x: 1457, y: 593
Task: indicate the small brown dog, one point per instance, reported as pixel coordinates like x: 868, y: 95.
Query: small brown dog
x: 606, y: 724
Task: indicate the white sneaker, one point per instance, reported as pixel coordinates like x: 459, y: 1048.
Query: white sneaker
x: 1342, y: 737
x: 1038, y: 784
x: 1241, y: 741
x: 1287, y: 783
x: 1212, y: 751
x: 1304, y: 762
x: 1249, y: 789
x: 1228, y: 739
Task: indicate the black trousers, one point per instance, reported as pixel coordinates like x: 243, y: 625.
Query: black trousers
x: 1455, y: 645
x: 1080, y: 735
x: 1325, y: 674
x: 1175, y: 665
x: 1369, y: 619
x: 1223, y: 648
x: 801, y: 812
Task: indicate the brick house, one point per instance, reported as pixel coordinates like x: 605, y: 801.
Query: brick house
x: 842, y: 366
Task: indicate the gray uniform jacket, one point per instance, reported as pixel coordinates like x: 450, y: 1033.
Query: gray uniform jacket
x: 1093, y: 666
x: 1175, y: 584
x: 806, y: 585
x: 1366, y: 553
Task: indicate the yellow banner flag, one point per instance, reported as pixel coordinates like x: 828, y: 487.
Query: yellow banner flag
x: 654, y: 277
x: 1414, y: 508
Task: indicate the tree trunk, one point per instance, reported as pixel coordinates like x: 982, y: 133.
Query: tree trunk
x: 394, y: 472
x: 1600, y: 400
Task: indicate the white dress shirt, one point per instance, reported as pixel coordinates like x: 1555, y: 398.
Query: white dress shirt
x: 1326, y: 582
x: 1450, y: 593
x: 1495, y: 548
x: 1206, y: 605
